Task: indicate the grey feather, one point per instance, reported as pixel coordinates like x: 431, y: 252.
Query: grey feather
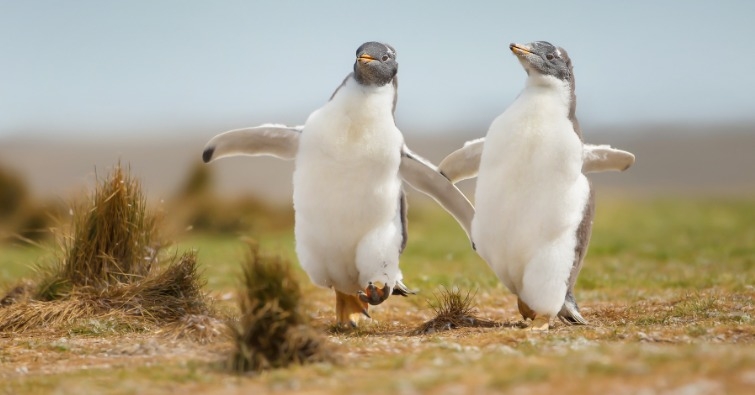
x: 424, y: 177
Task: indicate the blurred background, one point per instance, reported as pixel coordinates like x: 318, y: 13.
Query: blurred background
x: 86, y: 84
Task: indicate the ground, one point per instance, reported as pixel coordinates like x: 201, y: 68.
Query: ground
x: 668, y: 288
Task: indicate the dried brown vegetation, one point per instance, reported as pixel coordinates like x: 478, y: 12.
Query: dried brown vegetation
x: 454, y: 309
x: 272, y: 331
x: 109, y: 271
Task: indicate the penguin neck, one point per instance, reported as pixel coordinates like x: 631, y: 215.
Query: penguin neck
x: 562, y: 91
x: 369, y: 100
x: 549, y: 85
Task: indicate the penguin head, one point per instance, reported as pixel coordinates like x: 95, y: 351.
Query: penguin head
x: 544, y: 58
x: 375, y: 64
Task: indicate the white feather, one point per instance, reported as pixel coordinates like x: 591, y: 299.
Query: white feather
x: 346, y: 190
x: 599, y: 158
x: 530, y: 195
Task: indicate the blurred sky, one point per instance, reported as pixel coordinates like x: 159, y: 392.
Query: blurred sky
x: 145, y: 68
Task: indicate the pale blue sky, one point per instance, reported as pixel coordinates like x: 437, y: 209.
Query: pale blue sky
x: 113, y: 68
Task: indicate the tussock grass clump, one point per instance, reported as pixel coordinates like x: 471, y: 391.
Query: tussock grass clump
x: 115, y: 239
x: 108, y: 270
x: 272, y: 331
x: 453, y: 309
x: 164, y: 297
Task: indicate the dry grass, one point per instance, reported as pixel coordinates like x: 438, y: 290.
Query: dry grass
x: 18, y: 294
x: 453, y: 310
x: 171, y: 295
x: 273, y: 331
x: 115, y: 240
x: 109, y: 271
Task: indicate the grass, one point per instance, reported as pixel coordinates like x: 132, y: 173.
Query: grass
x: 273, y: 331
x: 668, y: 287
x: 109, y: 268
x: 115, y: 239
x: 17, y: 260
x: 453, y: 309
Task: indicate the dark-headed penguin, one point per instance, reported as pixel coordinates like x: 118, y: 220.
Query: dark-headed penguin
x: 534, y: 205
x: 350, y: 160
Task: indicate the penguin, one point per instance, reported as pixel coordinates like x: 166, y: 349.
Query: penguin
x: 350, y: 165
x: 464, y: 163
x: 534, y: 205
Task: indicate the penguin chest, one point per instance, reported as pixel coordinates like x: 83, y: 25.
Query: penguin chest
x: 346, y: 184
x: 354, y: 180
x: 530, y: 190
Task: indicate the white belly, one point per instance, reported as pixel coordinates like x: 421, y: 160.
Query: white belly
x: 530, y: 197
x: 346, y: 187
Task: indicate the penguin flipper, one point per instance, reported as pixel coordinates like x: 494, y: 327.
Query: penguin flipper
x: 599, y: 158
x: 424, y: 177
x: 276, y: 140
x: 464, y: 163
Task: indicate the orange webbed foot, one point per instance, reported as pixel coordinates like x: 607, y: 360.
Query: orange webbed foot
x: 374, y: 295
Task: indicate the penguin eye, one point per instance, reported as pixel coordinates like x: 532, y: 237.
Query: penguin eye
x: 549, y: 57
x: 385, y: 57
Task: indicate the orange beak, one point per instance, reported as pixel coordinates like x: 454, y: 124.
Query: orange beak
x: 364, y: 58
x: 519, y: 49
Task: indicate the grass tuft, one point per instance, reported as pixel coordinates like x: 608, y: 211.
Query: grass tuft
x: 109, y: 272
x: 164, y: 296
x: 272, y: 331
x: 114, y: 239
x: 453, y: 310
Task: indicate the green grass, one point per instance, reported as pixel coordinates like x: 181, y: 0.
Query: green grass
x: 19, y: 260
x: 220, y: 256
x: 668, y: 286
x: 671, y: 246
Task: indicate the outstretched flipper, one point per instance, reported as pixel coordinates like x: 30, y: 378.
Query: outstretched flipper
x: 599, y: 158
x: 275, y: 140
x: 464, y: 163
x: 424, y: 177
